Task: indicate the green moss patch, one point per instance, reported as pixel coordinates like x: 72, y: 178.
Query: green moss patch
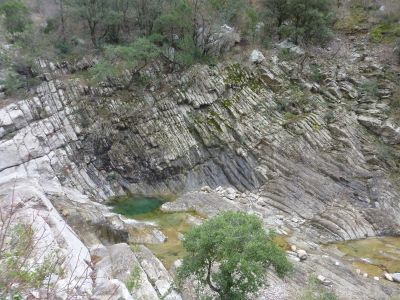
x: 356, y: 21
x: 385, y: 32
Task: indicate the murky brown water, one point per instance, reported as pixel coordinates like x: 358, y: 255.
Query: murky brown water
x: 373, y: 255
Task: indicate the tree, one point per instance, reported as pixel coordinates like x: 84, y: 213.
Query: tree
x: 310, y: 20
x: 278, y: 9
x: 306, y: 21
x: 16, y: 15
x: 132, y: 58
x: 278, y: 12
x: 104, y: 18
x: 230, y: 254
x: 228, y: 10
x: 93, y: 12
x: 177, y: 22
x: 147, y: 11
x: 397, y: 49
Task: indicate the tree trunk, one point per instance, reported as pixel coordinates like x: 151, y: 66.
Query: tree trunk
x: 208, y: 279
x: 62, y: 18
x: 92, y: 28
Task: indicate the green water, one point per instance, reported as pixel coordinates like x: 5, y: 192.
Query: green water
x: 173, y: 225
x: 373, y: 255
x: 132, y: 206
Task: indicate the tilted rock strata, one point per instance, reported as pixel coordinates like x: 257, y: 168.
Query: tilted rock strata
x: 295, y: 147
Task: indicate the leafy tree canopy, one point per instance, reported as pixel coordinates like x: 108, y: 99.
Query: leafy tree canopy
x: 121, y: 58
x: 230, y: 253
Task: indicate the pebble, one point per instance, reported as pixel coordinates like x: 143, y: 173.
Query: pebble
x: 302, y: 254
x: 206, y: 189
x: 323, y: 280
x: 388, y: 276
x: 293, y: 248
x: 365, y: 275
x: 376, y: 278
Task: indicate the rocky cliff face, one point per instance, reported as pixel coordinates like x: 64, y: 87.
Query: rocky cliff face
x: 303, y: 146
x: 306, y: 152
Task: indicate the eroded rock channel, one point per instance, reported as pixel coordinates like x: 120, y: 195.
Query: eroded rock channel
x: 316, y: 161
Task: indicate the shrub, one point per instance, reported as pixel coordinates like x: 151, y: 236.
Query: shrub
x: 286, y: 54
x: 12, y: 83
x: 316, y: 74
x: 316, y: 291
x: 385, y: 32
x: 134, y: 279
x: 303, y: 21
x: 370, y: 87
x: 16, y: 16
x: 231, y: 274
x: 63, y: 47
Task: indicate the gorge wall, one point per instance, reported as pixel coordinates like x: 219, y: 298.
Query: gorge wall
x: 291, y: 145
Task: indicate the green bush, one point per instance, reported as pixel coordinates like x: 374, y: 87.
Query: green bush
x: 12, y: 83
x: 316, y: 74
x: 63, y: 47
x: 229, y: 253
x: 286, y: 54
x: 385, y: 32
x: 303, y: 21
x: 370, y: 87
x: 16, y: 16
x: 20, y: 272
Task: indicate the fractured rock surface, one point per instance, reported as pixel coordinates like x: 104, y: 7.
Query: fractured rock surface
x: 285, y: 145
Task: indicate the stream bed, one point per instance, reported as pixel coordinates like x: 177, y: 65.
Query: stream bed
x: 373, y: 256
x: 172, y: 225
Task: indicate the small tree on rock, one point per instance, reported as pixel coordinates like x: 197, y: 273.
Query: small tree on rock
x: 303, y: 21
x: 130, y: 58
x: 230, y: 253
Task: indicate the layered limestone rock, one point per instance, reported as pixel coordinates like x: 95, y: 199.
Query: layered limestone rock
x: 25, y: 203
x: 318, y: 261
x: 309, y: 150
x: 49, y: 180
x: 260, y: 128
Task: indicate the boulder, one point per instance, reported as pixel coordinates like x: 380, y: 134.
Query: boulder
x: 206, y: 189
x: 387, y: 276
x: 256, y: 57
x: 230, y: 193
x: 323, y: 280
x: 114, y: 266
x: 395, y: 276
x: 157, y: 274
x: 302, y: 254
x: 390, y: 133
x: 218, y: 41
x: 291, y: 47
